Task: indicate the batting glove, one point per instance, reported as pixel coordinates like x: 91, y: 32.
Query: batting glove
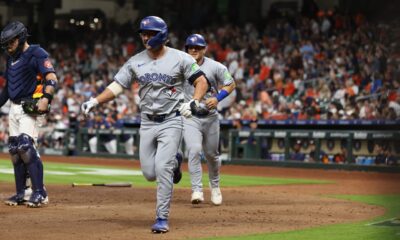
x: 89, y: 105
x: 185, y: 108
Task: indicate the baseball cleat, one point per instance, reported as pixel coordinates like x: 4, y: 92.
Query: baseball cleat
x: 178, y: 171
x: 161, y: 226
x: 37, y: 200
x: 17, y: 199
x: 197, y: 197
x: 216, y: 196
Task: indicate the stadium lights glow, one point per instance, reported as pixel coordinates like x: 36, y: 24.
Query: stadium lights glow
x: 95, y: 20
x: 82, y: 23
x: 72, y: 21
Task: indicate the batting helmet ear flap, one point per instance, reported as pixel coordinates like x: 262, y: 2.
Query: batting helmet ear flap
x: 159, y: 39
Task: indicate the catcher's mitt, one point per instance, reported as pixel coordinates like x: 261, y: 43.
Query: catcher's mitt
x: 30, y: 106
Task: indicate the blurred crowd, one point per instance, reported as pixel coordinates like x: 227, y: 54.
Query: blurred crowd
x: 327, y: 67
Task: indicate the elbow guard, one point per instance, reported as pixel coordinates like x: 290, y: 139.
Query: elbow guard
x: 115, y: 88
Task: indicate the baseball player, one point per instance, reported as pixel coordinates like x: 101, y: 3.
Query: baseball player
x: 201, y: 130
x: 160, y: 72
x: 30, y: 87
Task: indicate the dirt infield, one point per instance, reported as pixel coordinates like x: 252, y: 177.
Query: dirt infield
x: 128, y: 213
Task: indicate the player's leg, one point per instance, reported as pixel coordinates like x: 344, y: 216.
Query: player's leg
x: 18, y: 165
x: 28, y: 188
x: 147, y: 149
x: 27, y: 151
x: 129, y: 146
x: 193, y: 142
x: 111, y: 146
x: 93, y: 144
x: 210, y: 148
x: 168, y: 135
x: 19, y: 173
x: 31, y: 158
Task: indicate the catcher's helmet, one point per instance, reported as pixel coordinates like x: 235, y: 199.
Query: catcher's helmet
x: 11, y: 31
x: 195, y: 40
x: 154, y: 23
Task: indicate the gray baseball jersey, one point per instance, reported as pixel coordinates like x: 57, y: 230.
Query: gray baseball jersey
x: 202, y: 134
x: 217, y: 75
x: 161, y: 91
x: 161, y: 80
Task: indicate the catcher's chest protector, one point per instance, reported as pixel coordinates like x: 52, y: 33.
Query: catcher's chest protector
x: 21, y: 74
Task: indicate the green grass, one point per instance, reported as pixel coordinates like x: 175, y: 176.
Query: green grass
x: 354, y: 231
x: 81, y: 175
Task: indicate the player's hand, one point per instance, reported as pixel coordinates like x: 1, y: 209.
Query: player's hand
x: 211, y: 103
x: 43, y: 105
x: 185, y: 109
x: 89, y: 105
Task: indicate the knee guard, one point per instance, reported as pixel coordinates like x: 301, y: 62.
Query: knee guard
x: 26, y: 149
x: 13, y: 149
x: 31, y: 158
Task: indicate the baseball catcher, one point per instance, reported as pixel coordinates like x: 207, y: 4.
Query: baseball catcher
x: 30, y: 84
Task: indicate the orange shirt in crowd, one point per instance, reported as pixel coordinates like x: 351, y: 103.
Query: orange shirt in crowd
x: 357, y: 79
x: 311, y: 92
x: 289, y: 89
x: 2, y: 82
x: 350, y: 91
x: 392, y: 96
x: 279, y: 85
x: 130, y: 48
x: 68, y: 80
x: 222, y: 54
x: 264, y: 72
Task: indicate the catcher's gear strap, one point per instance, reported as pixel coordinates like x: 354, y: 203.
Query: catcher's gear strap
x: 48, y: 96
x: 29, y: 106
x: 51, y: 82
x: 115, y: 88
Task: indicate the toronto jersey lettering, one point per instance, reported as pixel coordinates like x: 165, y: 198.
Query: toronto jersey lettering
x: 25, y: 74
x: 161, y: 80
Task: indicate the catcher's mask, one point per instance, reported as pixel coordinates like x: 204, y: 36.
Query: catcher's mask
x: 12, y: 31
x: 154, y: 23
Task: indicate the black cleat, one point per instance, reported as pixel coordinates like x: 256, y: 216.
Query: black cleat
x: 178, y: 170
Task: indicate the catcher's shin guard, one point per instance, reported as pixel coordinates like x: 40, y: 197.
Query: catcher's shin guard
x: 29, y: 155
x: 18, y: 164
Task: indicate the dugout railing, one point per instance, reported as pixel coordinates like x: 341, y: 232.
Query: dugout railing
x: 314, y: 147
x: 344, y: 149
x: 84, y: 136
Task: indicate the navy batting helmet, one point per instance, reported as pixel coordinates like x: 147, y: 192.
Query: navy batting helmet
x: 195, y: 40
x: 11, y: 31
x: 154, y: 23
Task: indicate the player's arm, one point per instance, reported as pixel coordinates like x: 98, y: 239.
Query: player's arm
x: 122, y: 79
x: 223, y: 93
x: 50, y: 84
x: 201, y: 87
x: 111, y: 92
x: 224, y: 79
